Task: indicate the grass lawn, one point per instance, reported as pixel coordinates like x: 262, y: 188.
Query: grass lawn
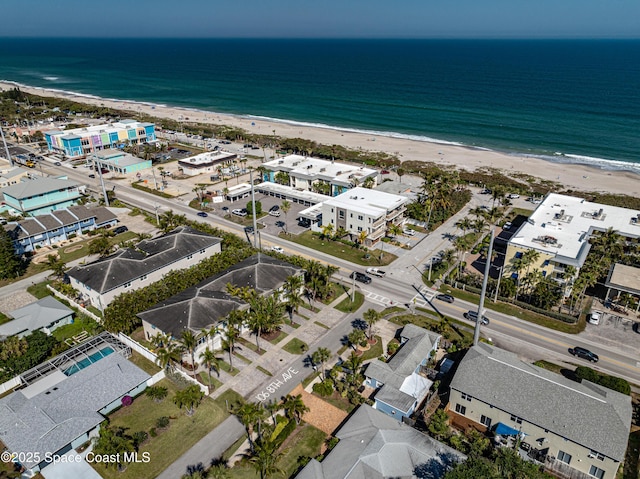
x: 278, y: 338
x: 549, y: 366
x: 204, y: 379
x: 295, y: 346
x: 336, y: 290
x: 430, y: 323
x: 519, y: 313
x: 227, y: 368
x: 375, y: 351
x: 264, y: 371
x: 31, y: 270
x: 80, y: 249
x: 305, y: 441
x: 250, y: 345
x: 321, y: 325
x: 391, y: 310
x: 171, y: 443
x: 338, y: 401
x: 339, y: 250
x: 143, y: 363
x: 346, y: 306
x: 80, y: 323
x: 4, y: 318
x: 230, y: 398
x: 309, y: 307
x: 39, y: 290
x: 631, y: 461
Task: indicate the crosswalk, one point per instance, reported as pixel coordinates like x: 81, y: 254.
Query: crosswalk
x: 417, y: 300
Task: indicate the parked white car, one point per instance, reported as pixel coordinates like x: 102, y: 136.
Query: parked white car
x: 408, y: 232
x: 513, y: 196
x: 595, y: 317
x: 277, y: 249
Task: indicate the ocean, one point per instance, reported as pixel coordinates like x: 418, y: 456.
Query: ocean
x: 575, y: 101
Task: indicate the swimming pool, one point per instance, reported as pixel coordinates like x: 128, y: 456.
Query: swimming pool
x: 95, y: 357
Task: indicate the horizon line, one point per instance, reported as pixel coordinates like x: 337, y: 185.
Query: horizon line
x: 469, y: 38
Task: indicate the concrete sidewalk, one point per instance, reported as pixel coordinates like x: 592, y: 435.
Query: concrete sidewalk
x: 210, y: 447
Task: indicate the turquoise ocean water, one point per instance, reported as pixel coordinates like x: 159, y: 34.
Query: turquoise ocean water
x: 571, y: 101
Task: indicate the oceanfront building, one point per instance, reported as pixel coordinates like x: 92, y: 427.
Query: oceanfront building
x: 41, y: 195
x: 362, y: 209
x: 559, y: 230
x: 119, y: 162
x: 98, y: 283
x: 79, y: 142
x: 577, y: 430
x: 321, y: 176
x: 205, y: 162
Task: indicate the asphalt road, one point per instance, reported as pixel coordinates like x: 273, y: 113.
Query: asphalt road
x: 396, y: 289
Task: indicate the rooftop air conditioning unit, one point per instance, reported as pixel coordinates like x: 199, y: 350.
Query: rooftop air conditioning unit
x: 323, y: 169
x: 280, y: 162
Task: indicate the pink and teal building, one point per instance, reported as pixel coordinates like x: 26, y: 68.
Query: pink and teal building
x: 79, y: 142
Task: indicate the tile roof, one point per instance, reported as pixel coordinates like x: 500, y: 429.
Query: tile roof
x: 208, y: 302
x: 373, y: 445
x: 150, y: 255
x: 497, y: 377
x: 67, y: 409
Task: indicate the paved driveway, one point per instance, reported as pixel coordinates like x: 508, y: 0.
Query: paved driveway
x: 75, y: 466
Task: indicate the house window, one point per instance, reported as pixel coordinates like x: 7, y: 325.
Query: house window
x: 460, y: 409
x: 485, y: 421
x: 127, y: 284
x: 596, y: 472
x: 546, y: 263
x: 517, y: 419
x: 597, y: 455
x: 564, y: 457
x: 350, y: 215
x: 467, y: 397
x: 518, y: 254
x: 359, y: 229
x: 360, y: 217
x: 341, y: 215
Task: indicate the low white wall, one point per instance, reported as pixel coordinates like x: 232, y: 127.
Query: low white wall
x: 10, y: 384
x: 84, y: 310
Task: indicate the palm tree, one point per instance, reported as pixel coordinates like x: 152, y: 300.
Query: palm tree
x: 113, y: 441
x: 321, y: 356
x: 479, y: 225
x: 362, y: 237
x: 265, y: 458
x: 327, y: 230
x: 168, y: 355
x: 190, y: 343
x: 394, y: 229
x: 293, y: 295
x: 189, y: 397
x: 285, y: 206
x: 371, y: 316
x: 464, y: 225
x: 294, y: 407
x: 209, y: 359
x: 101, y: 246
x: 231, y: 331
x: 55, y: 264
x: 497, y: 194
x: 248, y: 414
x: 355, y: 337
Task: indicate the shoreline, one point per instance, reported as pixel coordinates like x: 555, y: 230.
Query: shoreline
x: 567, y: 170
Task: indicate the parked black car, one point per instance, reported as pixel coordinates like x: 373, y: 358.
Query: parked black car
x: 584, y: 353
x: 363, y: 278
x: 120, y: 230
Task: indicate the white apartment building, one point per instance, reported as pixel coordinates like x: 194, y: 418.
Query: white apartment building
x: 362, y: 209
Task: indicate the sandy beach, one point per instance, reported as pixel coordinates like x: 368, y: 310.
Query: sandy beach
x: 572, y: 176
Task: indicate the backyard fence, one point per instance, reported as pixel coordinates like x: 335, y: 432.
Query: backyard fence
x: 75, y: 304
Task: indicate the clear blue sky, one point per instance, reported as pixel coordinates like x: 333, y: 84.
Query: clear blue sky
x: 322, y: 18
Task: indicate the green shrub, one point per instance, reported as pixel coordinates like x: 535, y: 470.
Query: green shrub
x: 286, y: 432
x: 611, y: 382
x: 152, y: 432
x: 324, y: 388
x: 162, y: 422
x: 139, y: 437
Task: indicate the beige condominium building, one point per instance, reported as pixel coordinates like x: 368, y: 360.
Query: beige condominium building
x: 560, y: 229
x: 577, y: 430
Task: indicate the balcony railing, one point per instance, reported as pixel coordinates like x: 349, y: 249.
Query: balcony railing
x: 563, y: 470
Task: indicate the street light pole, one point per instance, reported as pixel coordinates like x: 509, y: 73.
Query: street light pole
x: 253, y: 208
x: 6, y: 148
x: 104, y: 191
x: 495, y: 298
x: 487, y: 268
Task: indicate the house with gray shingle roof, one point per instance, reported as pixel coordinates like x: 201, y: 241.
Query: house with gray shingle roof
x: 57, y: 226
x: 63, y: 408
x: 401, y: 385
x: 101, y: 281
x: 375, y: 446
x: 46, y: 314
x: 578, y: 429
x: 208, y: 303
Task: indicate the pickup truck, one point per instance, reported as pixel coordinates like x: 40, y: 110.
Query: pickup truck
x: 376, y: 272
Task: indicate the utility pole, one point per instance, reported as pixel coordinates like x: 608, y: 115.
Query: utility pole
x: 104, y: 191
x: 155, y: 207
x: 353, y: 287
x: 487, y: 268
x: 495, y: 297
x: 253, y: 210
x: 6, y: 148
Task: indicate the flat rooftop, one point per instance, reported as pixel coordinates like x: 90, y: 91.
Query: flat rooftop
x: 276, y: 189
x: 204, y: 159
x: 561, y: 225
x: 98, y: 129
x: 625, y: 278
x: 316, y: 168
x: 364, y: 200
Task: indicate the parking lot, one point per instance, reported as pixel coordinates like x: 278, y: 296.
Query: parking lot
x: 614, y: 330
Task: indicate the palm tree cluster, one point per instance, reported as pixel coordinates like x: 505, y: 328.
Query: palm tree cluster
x: 264, y: 449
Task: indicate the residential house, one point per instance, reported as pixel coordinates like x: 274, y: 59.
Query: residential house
x: 60, y: 225
x: 313, y: 174
x: 401, y: 384
x: 66, y: 398
x: 46, y: 315
x: 41, y: 195
x: 364, y: 210
x: 128, y: 269
x: 208, y: 303
x: 375, y: 446
x: 12, y: 176
x: 577, y: 430
x: 79, y: 142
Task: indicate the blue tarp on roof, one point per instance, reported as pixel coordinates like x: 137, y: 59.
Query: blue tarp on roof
x: 504, y: 430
